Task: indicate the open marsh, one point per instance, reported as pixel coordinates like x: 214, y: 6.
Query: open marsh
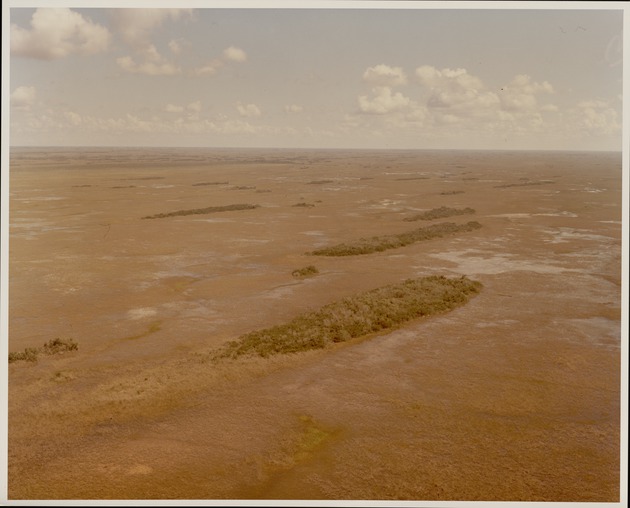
x: 514, y: 395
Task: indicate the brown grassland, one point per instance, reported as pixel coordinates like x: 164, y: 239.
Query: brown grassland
x: 248, y: 347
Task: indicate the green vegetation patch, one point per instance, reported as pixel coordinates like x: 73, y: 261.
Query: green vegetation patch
x: 320, y: 182
x: 307, y: 271
x: 440, y: 213
x: 526, y: 184
x: 201, y: 211
x: 377, y: 310
x: 381, y: 243
x: 52, y: 347
x: 200, y: 184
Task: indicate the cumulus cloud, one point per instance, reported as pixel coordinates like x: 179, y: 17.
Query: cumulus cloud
x: 135, y: 26
x: 455, y: 93
x: 384, y: 75
x: 447, y: 78
x: 520, y: 93
x: 209, y: 69
x: 57, y: 33
x: 194, y: 107
x: 293, y: 108
x: 231, y: 54
x: 248, y: 110
x: 383, y: 101
x: 23, y: 97
x: 595, y: 116
x: 234, y: 54
x: 73, y: 118
x: 172, y: 108
x: 155, y: 67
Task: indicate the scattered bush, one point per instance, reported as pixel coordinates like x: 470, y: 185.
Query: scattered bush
x: 381, y: 243
x: 304, y: 205
x: 209, y: 183
x: 541, y: 182
x: 56, y: 346
x: 200, y: 211
x: 440, y: 213
x: 52, y: 347
x: 451, y: 192
x: 29, y: 355
x: 380, y: 309
x: 320, y: 182
x: 306, y: 271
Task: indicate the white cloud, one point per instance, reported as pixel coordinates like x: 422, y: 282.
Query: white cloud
x: 209, y: 69
x: 595, y: 116
x: 23, y: 97
x: 57, y: 33
x: 520, y: 93
x: 293, y: 108
x: 383, y: 101
x: 172, y: 108
x: 455, y: 92
x: 195, y: 107
x: 384, y: 75
x: 451, y: 79
x: 135, y: 26
x: 248, y: 110
x: 231, y: 54
x: 73, y: 118
x: 234, y: 54
x: 177, y: 45
x: 150, y: 68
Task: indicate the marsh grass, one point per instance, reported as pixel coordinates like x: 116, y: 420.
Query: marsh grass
x: 307, y: 271
x: 440, y: 213
x: 381, y: 243
x: 201, y: 211
x: 52, y: 347
x: 526, y: 184
x: 380, y: 309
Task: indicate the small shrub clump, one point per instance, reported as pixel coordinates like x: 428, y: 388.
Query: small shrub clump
x: 380, y: 309
x: 440, y: 213
x: 52, y: 347
x: 381, y: 243
x: 201, y: 211
x: 307, y: 271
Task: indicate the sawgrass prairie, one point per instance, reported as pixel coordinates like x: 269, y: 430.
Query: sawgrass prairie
x: 513, y: 395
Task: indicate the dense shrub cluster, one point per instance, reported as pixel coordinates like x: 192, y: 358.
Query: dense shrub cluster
x: 52, y: 347
x: 526, y: 184
x: 440, y: 213
x: 200, y: 211
x: 381, y: 243
x: 306, y: 271
x: 380, y: 309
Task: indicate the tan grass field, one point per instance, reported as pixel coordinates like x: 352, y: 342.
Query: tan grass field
x: 513, y: 396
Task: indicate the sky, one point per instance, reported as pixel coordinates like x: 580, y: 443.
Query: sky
x: 418, y: 77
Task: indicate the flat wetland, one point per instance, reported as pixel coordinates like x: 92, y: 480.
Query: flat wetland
x: 512, y: 394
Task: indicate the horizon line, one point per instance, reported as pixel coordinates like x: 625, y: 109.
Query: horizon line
x: 372, y: 149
